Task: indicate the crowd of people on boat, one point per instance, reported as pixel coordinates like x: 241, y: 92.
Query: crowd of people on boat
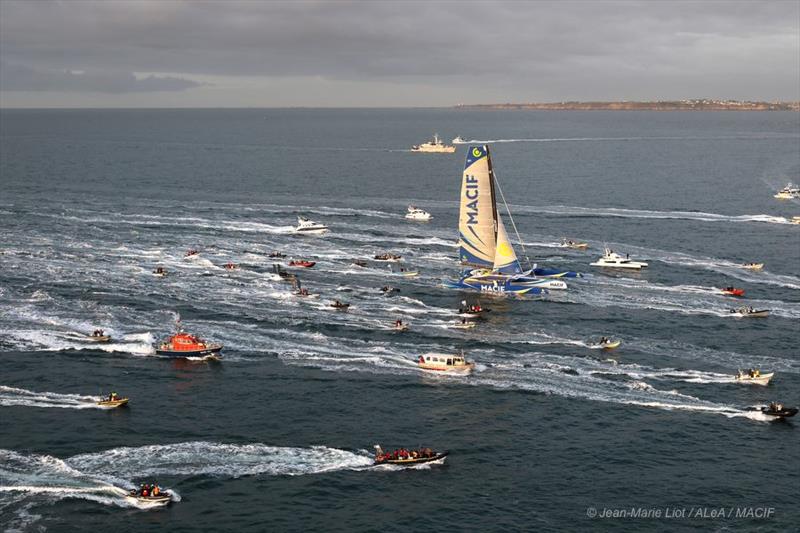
x: 751, y: 373
x: 404, y: 454
x: 98, y: 333
x: 147, y: 490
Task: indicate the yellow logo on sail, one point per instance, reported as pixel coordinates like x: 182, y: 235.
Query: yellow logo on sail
x: 504, y: 250
x: 476, y: 152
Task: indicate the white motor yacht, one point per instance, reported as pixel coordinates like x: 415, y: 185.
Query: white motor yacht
x: 415, y: 213
x: 435, y: 145
x: 612, y: 259
x: 458, y: 140
x: 310, y: 227
x: 788, y: 192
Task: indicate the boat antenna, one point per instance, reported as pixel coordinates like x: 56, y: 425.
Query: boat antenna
x: 513, y: 225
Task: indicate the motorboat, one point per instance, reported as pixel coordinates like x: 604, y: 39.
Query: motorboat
x: 445, y: 362
x: 99, y: 336
x: 359, y: 263
x: 309, y: 227
x: 753, y: 266
x: 388, y: 289
x: 160, y: 272
x: 472, y: 311
x: 340, y: 306
x: 276, y: 255
x: 230, y: 266
x: 753, y: 376
x: 458, y: 140
x: 302, y: 263
x: 749, y: 312
x: 399, y: 326
x: 415, y: 213
x: 286, y: 276
x: 607, y: 344
x: 404, y: 457
x: 191, y: 253
x: 405, y: 273
x: 434, y: 146
x: 304, y: 293
x: 162, y: 498
x: 388, y: 257
x: 464, y: 324
x: 732, y: 291
x: 611, y: 259
x: 183, y: 344
x: 777, y: 410
x: 112, y: 401
x: 574, y: 244
x: 795, y: 220
x: 788, y: 192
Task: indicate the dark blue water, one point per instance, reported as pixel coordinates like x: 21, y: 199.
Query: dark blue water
x: 277, y: 436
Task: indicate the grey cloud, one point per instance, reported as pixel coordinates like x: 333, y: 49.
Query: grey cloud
x: 543, y: 49
x: 24, y: 78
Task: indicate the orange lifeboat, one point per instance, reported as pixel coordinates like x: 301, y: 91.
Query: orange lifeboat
x: 183, y: 344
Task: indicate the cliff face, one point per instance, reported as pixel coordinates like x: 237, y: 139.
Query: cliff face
x: 671, y: 105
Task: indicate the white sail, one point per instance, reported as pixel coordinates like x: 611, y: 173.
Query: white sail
x: 477, y: 214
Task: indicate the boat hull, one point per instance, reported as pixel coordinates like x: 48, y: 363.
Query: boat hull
x: 461, y: 370
x: 734, y: 292
x: 755, y: 314
x: 160, y: 500
x: 414, y: 461
x: 210, y: 350
x: 98, y: 338
x: 555, y: 273
x: 495, y: 287
x: 113, y: 403
x: 610, y: 345
x: 763, y: 379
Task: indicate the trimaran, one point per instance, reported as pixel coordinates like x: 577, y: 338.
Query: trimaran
x: 484, y: 242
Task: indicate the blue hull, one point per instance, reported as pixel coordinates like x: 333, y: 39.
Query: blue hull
x: 555, y: 273
x: 506, y: 287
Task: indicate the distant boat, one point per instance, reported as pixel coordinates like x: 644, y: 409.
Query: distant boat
x: 434, y: 146
x: 612, y: 259
x: 458, y: 140
x: 415, y: 213
x: 483, y: 241
x: 309, y: 227
x: 788, y: 192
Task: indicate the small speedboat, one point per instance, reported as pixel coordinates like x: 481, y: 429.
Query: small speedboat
x: 387, y: 289
x: 309, y: 227
x: 732, y: 291
x: 388, y: 257
x: 359, y: 263
x: 611, y: 259
x: 444, y: 362
x: 163, y: 497
x: 464, y: 325
x: 458, y: 140
x: 399, y: 326
x: 184, y: 344
x: 302, y: 264
x: 113, y: 401
x: 788, y: 192
x: 778, y: 410
x: 753, y: 266
x: 160, y: 272
x: 607, y: 344
x: 434, y: 146
x: 415, y: 213
x: 405, y: 273
x: 99, y: 336
x: 753, y: 376
x: 277, y: 255
x: 404, y: 457
x: 340, y: 305
x: 230, y: 266
x: 750, y: 312
x: 574, y: 245
x: 472, y: 311
x: 191, y: 253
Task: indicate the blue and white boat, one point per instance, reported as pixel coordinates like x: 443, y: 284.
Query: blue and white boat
x: 483, y: 240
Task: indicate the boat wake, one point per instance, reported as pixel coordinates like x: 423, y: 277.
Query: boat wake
x: 12, y: 396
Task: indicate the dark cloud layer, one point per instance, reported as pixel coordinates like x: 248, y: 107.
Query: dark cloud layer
x: 547, y: 50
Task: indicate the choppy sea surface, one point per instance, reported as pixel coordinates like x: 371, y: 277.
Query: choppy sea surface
x: 278, y: 436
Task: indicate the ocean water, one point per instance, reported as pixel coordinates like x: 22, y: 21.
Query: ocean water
x: 278, y: 436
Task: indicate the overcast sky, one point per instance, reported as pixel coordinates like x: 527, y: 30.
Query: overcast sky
x: 175, y: 53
